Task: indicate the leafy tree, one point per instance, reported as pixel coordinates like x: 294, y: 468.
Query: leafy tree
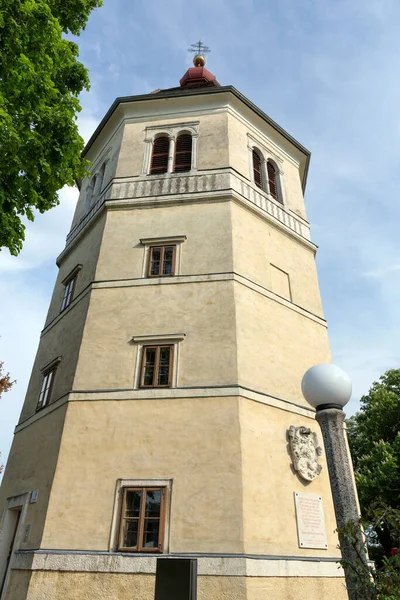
x: 373, y: 581
x: 374, y: 438
x: 5, y: 385
x: 40, y: 80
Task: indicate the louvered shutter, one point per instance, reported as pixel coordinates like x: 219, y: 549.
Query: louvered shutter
x: 159, y: 159
x: 273, y: 188
x: 183, y: 153
x: 257, y: 169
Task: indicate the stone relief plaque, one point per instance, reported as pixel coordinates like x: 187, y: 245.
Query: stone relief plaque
x: 310, y: 521
x: 305, y: 451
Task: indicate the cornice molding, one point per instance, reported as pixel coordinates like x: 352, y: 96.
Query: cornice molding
x: 169, y: 239
x: 188, y: 279
x: 182, y: 393
x: 216, y: 565
x: 156, y: 338
x: 140, y: 192
x: 183, y: 94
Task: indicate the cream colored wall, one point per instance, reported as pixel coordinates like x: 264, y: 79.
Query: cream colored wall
x: 122, y: 586
x: 64, y: 336
x: 294, y: 588
x: 269, y: 518
x: 239, y: 159
x: 257, y: 245
x: 275, y: 345
x: 54, y: 585
x: 203, y: 311
x: 30, y: 466
x: 212, y: 142
x: 105, y: 149
x: 86, y: 253
x: 63, y: 339
x: 193, y: 441
x: 207, y: 249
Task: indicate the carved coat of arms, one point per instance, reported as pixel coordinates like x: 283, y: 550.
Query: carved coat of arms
x: 305, y: 450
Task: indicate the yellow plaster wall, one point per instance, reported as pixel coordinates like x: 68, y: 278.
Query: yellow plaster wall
x: 295, y: 588
x: 63, y: 339
x: 130, y: 159
x: 202, y: 311
x: 59, y: 585
x: 240, y: 159
x: 207, y: 249
x: 269, y: 517
x: 257, y: 245
x: 31, y: 466
x: 85, y: 253
x: 221, y: 588
x: 193, y: 441
x: 103, y: 148
x: 50, y: 585
x: 212, y: 142
x: 275, y: 345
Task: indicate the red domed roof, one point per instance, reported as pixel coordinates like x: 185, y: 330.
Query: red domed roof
x: 198, y: 77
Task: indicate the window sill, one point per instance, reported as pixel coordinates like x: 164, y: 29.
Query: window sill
x: 172, y: 174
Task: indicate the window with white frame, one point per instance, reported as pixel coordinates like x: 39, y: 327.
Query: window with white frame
x: 162, y: 256
x: 69, y: 284
x: 157, y: 361
x: 49, y: 373
x: 141, y: 516
x: 170, y: 149
x: 265, y: 172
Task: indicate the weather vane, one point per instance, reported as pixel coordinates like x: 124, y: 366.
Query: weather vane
x: 199, y: 48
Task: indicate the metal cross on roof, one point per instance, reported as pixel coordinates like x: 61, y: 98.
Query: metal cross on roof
x: 199, y: 48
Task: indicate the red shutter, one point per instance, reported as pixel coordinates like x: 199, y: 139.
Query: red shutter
x: 273, y: 189
x: 159, y: 159
x: 183, y: 153
x: 257, y: 169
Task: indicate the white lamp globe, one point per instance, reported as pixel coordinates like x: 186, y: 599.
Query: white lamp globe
x: 326, y: 384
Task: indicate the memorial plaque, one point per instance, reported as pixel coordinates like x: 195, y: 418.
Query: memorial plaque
x: 310, y: 521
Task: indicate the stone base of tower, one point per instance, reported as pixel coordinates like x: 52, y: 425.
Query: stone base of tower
x: 77, y: 576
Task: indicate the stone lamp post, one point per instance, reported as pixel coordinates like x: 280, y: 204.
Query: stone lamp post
x: 328, y: 389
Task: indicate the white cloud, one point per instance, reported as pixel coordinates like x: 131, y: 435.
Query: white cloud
x: 383, y: 272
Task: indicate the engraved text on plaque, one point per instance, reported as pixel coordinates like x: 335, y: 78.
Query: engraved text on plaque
x: 310, y: 521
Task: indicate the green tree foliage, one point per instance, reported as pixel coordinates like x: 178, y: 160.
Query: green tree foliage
x: 40, y: 80
x: 374, y: 437
x: 373, y: 581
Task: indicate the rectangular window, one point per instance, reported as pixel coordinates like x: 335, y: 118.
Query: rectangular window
x: 142, y: 520
x: 68, y: 293
x: 45, y: 392
x: 161, y: 261
x: 156, y: 370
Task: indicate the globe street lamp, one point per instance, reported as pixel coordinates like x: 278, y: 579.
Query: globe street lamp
x: 328, y: 389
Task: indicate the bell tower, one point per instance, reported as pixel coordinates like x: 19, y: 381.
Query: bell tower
x: 164, y: 415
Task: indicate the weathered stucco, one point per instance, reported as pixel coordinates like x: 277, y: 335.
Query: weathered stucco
x: 31, y: 466
x: 245, y: 340
x: 105, y: 586
x: 182, y: 439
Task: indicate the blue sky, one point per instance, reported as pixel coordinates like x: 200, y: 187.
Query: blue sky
x: 328, y: 72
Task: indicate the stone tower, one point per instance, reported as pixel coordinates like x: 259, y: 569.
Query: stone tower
x: 167, y: 377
